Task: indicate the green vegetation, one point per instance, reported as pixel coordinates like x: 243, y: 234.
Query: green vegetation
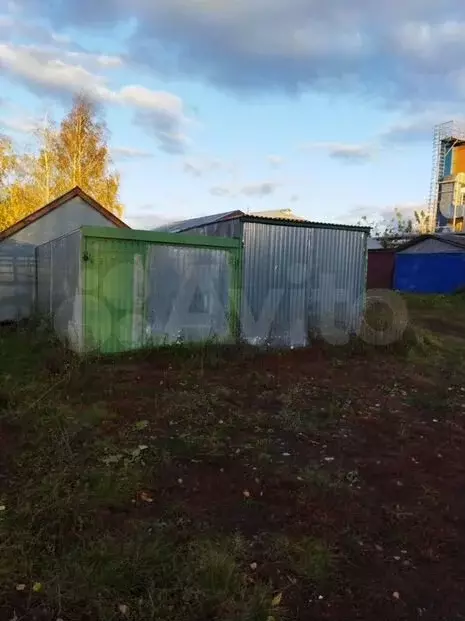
x: 215, y: 483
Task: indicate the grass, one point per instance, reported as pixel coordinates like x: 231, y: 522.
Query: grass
x: 307, y: 557
x: 199, y: 484
x: 305, y: 407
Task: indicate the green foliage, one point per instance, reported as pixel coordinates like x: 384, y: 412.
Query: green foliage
x: 398, y: 225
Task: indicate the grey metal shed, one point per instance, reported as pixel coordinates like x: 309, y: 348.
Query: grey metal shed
x: 18, y: 244
x: 299, y: 277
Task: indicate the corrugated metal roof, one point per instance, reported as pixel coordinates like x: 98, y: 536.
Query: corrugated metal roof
x: 453, y: 239
x: 185, y: 225
x: 306, y: 223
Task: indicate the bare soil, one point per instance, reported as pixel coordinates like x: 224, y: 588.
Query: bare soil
x: 361, y: 452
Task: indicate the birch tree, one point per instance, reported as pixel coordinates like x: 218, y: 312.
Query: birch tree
x: 75, y: 153
x: 83, y: 156
x: 11, y: 204
x: 7, y: 162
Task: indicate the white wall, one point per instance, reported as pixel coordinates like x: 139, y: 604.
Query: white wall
x: 17, y: 254
x: 69, y: 217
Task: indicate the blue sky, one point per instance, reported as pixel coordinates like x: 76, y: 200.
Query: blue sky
x: 323, y: 108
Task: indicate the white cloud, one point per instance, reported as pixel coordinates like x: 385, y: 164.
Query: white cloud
x: 399, y: 52
x: 265, y: 188
x: 221, y: 191
x: 94, y: 61
x: 20, y: 124
x: 419, y: 127
x: 275, y: 161
x: 130, y: 153
x: 351, y: 153
x: 197, y: 167
x: 146, y: 221
x: 38, y: 68
x: 345, y: 152
x: 159, y: 112
x: 253, y: 190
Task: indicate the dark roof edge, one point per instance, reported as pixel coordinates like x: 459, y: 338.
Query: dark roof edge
x: 232, y: 216
x: 306, y: 223
x: 58, y: 202
x: 426, y: 236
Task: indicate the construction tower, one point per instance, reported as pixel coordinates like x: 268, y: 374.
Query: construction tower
x: 447, y: 191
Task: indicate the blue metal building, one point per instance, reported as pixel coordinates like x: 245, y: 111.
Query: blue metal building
x: 431, y: 264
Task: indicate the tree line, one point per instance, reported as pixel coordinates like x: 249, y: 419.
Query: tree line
x: 390, y: 231
x: 73, y: 153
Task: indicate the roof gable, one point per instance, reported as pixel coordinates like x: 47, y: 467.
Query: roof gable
x: 451, y: 239
x: 55, y: 204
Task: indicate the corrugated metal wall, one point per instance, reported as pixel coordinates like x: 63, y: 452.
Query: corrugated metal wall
x: 296, y: 280
x: 17, y: 280
x: 17, y: 254
x: 140, y: 293
x: 339, y: 283
x: 44, y: 279
x: 299, y: 280
x: 59, y: 286
x: 114, y: 291
x: 429, y: 273
x: 277, y: 279
x: 187, y: 293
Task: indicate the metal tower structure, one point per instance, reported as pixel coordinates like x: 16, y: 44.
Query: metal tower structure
x: 445, y: 137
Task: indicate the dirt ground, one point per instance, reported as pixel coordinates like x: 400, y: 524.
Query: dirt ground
x: 325, y: 483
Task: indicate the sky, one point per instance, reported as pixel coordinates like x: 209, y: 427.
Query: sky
x: 325, y: 108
